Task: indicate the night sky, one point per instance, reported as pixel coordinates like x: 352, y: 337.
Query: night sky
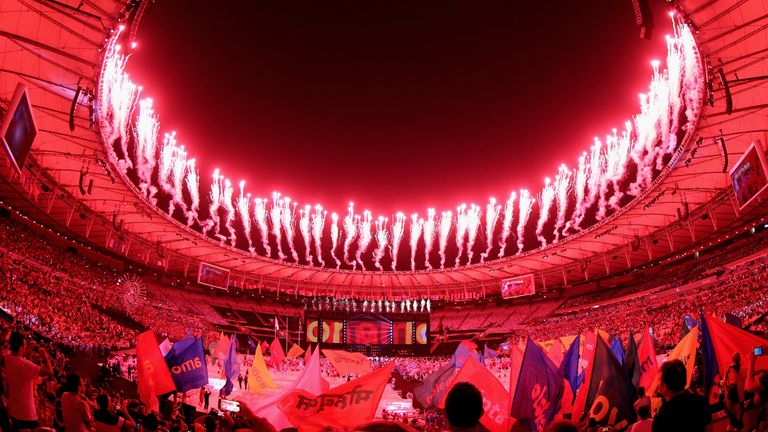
x: 396, y: 105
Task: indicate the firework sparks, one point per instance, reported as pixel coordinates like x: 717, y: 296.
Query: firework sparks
x: 364, y: 237
x: 335, y: 238
x: 318, y: 223
x: 429, y: 236
x: 147, y: 128
x: 243, y: 207
x: 526, y: 205
x: 382, y: 240
x: 351, y: 221
x: 260, y: 215
x: 473, y: 225
x: 446, y: 219
x: 275, y: 216
x: 462, y: 224
x: 193, y: 187
x: 562, y: 187
x: 545, y: 204
x: 398, y: 229
x: 416, y: 228
x: 506, y: 225
x: 287, y: 216
x: 491, y: 216
x: 229, y: 208
x: 304, y: 215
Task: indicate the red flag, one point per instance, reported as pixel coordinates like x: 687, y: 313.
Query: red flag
x: 308, y: 354
x: 343, y: 407
x: 221, y: 351
x: 728, y: 339
x: 649, y: 367
x: 153, y: 374
x: 309, y: 381
x: 264, y: 346
x: 276, y: 353
x: 495, y: 397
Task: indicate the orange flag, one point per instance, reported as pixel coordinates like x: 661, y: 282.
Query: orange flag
x: 684, y: 351
x: 294, y: 352
x: 646, y: 354
x: 344, y: 407
x: 347, y: 363
x: 221, y: 351
x: 153, y: 374
x: 495, y: 397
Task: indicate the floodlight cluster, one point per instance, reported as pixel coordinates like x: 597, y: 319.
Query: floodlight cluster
x: 614, y: 169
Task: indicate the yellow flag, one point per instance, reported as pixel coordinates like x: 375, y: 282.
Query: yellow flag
x: 294, y: 352
x: 684, y: 351
x: 259, y: 378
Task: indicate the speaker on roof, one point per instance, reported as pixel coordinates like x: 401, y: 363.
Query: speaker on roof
x: 643, y: 18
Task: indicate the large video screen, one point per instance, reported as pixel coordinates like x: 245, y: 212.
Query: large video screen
x: 18, y: 129
x: 213, y: 276
x: 518, y: 286
x: 368, y: 330
x: 749, y: 175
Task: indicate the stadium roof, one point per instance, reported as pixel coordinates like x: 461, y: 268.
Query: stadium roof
x: 56, y: 48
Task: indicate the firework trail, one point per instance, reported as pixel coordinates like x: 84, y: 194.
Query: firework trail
x: 382, y: 239
x: 506, y: 225
x: 177, y: 177
x: 260, y: 215
x: 491, y: 216
x: 287, y: 216
x: 526, y: 205
x: 616, y: 152
x: 461, y: 231
x: 545, y: 204
x: 214, y: 221
x: 304, y: 215
x: 595, y: 175
x: 193, y: 187
x: 244, y: 208
x: 446, y: 219
x: 562, y: 187
x: 417, y: 227
x: 429, y: 236
x: 275, y: 216
x: 335, y: 237
x: 398, y: 229
x: 473, y: 225
x: 147, y: 129
x: 229, y: 191
x: 167, y: 154
x: 580, y: 191
x: 364, y: 237
x: 318, y: 223
x: 351, y: 221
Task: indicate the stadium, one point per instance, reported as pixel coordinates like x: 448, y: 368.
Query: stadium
x: 142, y: 289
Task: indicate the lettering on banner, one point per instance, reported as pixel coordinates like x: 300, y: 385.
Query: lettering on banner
x: 493, y: 410
x: 603, y: 411
x: 646, y: 364
x: 342, y: 401
x: 187, y: 366
x: 540, y: 405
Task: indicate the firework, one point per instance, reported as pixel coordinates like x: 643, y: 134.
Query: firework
x: 286, y: 220
x: 260, y: 215
x: 562, y: 187
x: 318, y: 222
x: 243, y: 207
x: 193, y: 187
x: 506, y: 225
x: 382, y: 240
x: 429, y: 236
x: 398, y: 229
x: 416, y: 228
x: 230, y: 211
x: 351, y: 221
x: 491, y: 216
x: 364, y: 237
x: 546, y: 199
x: 526, y: 205
x: 473, y: 225
x: 147, y: 128
x: 304, y: 215
x: 446, y: 219
x: 275, y: 216
x: 462, y: 224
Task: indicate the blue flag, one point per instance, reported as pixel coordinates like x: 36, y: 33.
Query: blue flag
x: 231, y: 368
x: 711, y: 368
x: 632, y: 361
x: 539, y: 390
x: 461, y: 354
x: 489, y: 353
x: 570, y: 366
x: 251, y: 345
x: 431, y: 391
x: 618, y: 350
x: 186, y: 361
x: 611, y: 394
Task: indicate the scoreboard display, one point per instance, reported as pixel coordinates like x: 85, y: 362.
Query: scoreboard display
x: 368, y: 329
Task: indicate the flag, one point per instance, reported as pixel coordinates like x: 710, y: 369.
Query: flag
x: 308, y: 354
x: 632, y: 362
x: 165, y: 346
x: 277, y: 325
x: 570, y: 366
x: 618, y: 351
x: 347, y: 363
x: 609, y: 393
x: 685, y: 351
x: 251, y: 344
x: 186, y: 361
x: 295, y: 351
x: 726, y: 339
x: 711, y: 368
x: 344, y: 407
x: 495, y: 397
x: 264, y: 346
x: 555, y: 352
x: 154, y: 378
x: 222, y: 347
x: 259, y: 378
x: 309, y: 381
x: 688, y: 325
x: 431, y: 391
x: 539, y: 390
x: 649, y: 367
x: 732, y: 320
x: 464, y: 350
x: 489, y: 353
x: 231, y: 368
x: 276, y: 353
